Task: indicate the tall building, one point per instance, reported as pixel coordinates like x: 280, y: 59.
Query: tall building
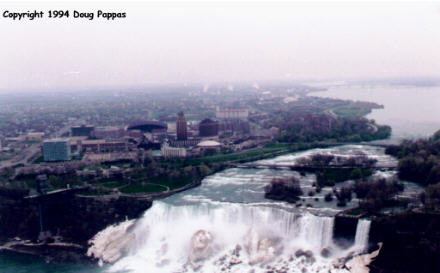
x: 56, y: 150
x: 181, y: 127
x: 208, y: 128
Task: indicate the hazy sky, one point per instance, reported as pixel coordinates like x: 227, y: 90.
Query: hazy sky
x: 186, y: 42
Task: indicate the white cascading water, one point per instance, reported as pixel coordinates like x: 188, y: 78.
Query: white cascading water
x: 362, y: 232
x: 232, y: 238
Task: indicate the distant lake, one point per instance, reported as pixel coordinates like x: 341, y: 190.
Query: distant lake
x: 411, y: 111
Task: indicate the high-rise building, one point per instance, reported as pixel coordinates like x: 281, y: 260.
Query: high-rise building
x: 56, y: 150
x: 181, y: 127
x: 208, y: 128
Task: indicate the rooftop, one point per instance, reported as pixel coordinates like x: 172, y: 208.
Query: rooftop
x: 209, y: 143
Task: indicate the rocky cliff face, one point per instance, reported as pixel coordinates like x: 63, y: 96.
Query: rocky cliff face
x: 344, y: 230
x: 411, y: 243
x: 69, y: 217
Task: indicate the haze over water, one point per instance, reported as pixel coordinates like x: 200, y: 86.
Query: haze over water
x: 411, y: 111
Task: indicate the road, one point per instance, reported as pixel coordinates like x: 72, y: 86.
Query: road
x: 30, y: 152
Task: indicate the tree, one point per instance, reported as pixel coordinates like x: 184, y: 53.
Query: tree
x: 55, y: 182
x: 343, y: 195
x: 148, y: 159
x: 436, y: 136
x: 287, y: 189
x: 433, y: 192
x: 356, y: 173
x: 204, y: 170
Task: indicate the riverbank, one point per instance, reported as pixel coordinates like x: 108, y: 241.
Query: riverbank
x: 56, y: 252
x: 410, y: 242
x: 68, y: 221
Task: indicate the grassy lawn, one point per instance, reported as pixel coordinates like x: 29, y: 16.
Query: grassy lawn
x: 139, y: 188
x: 355, y: 212
x: 95, y: 192
x: 330, y: 176
x: 142, y: 184
x: 351, y: 112
x: 30, y: 183
x: 5, y: 157
x: 39, y: 160
x: 248, y: 155
x: 113, y: 184
x: 278, y: 145
x: 167, y: 181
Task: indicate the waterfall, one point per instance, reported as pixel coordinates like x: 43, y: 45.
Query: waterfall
x: 362, y: 234
x: 207, y: 238
x: 317, y: 231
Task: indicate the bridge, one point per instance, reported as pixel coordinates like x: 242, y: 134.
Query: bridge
x: 308, y: 168
x: 55, y: 192
x: 382, y: 145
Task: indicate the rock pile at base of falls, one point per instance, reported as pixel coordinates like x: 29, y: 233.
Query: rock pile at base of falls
x: 201, y: 248
x: 112, y: 243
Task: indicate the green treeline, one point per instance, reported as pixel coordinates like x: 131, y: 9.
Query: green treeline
x: 339, y: 129
x: 329, y: 177
x: 419, y: 160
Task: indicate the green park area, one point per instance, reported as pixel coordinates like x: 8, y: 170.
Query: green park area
x: 158, y: 175
x: 351, y: 112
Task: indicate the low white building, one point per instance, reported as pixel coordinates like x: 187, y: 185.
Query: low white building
x: 171, y: 152
x: 34, y: 136
x: 209, y: 145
